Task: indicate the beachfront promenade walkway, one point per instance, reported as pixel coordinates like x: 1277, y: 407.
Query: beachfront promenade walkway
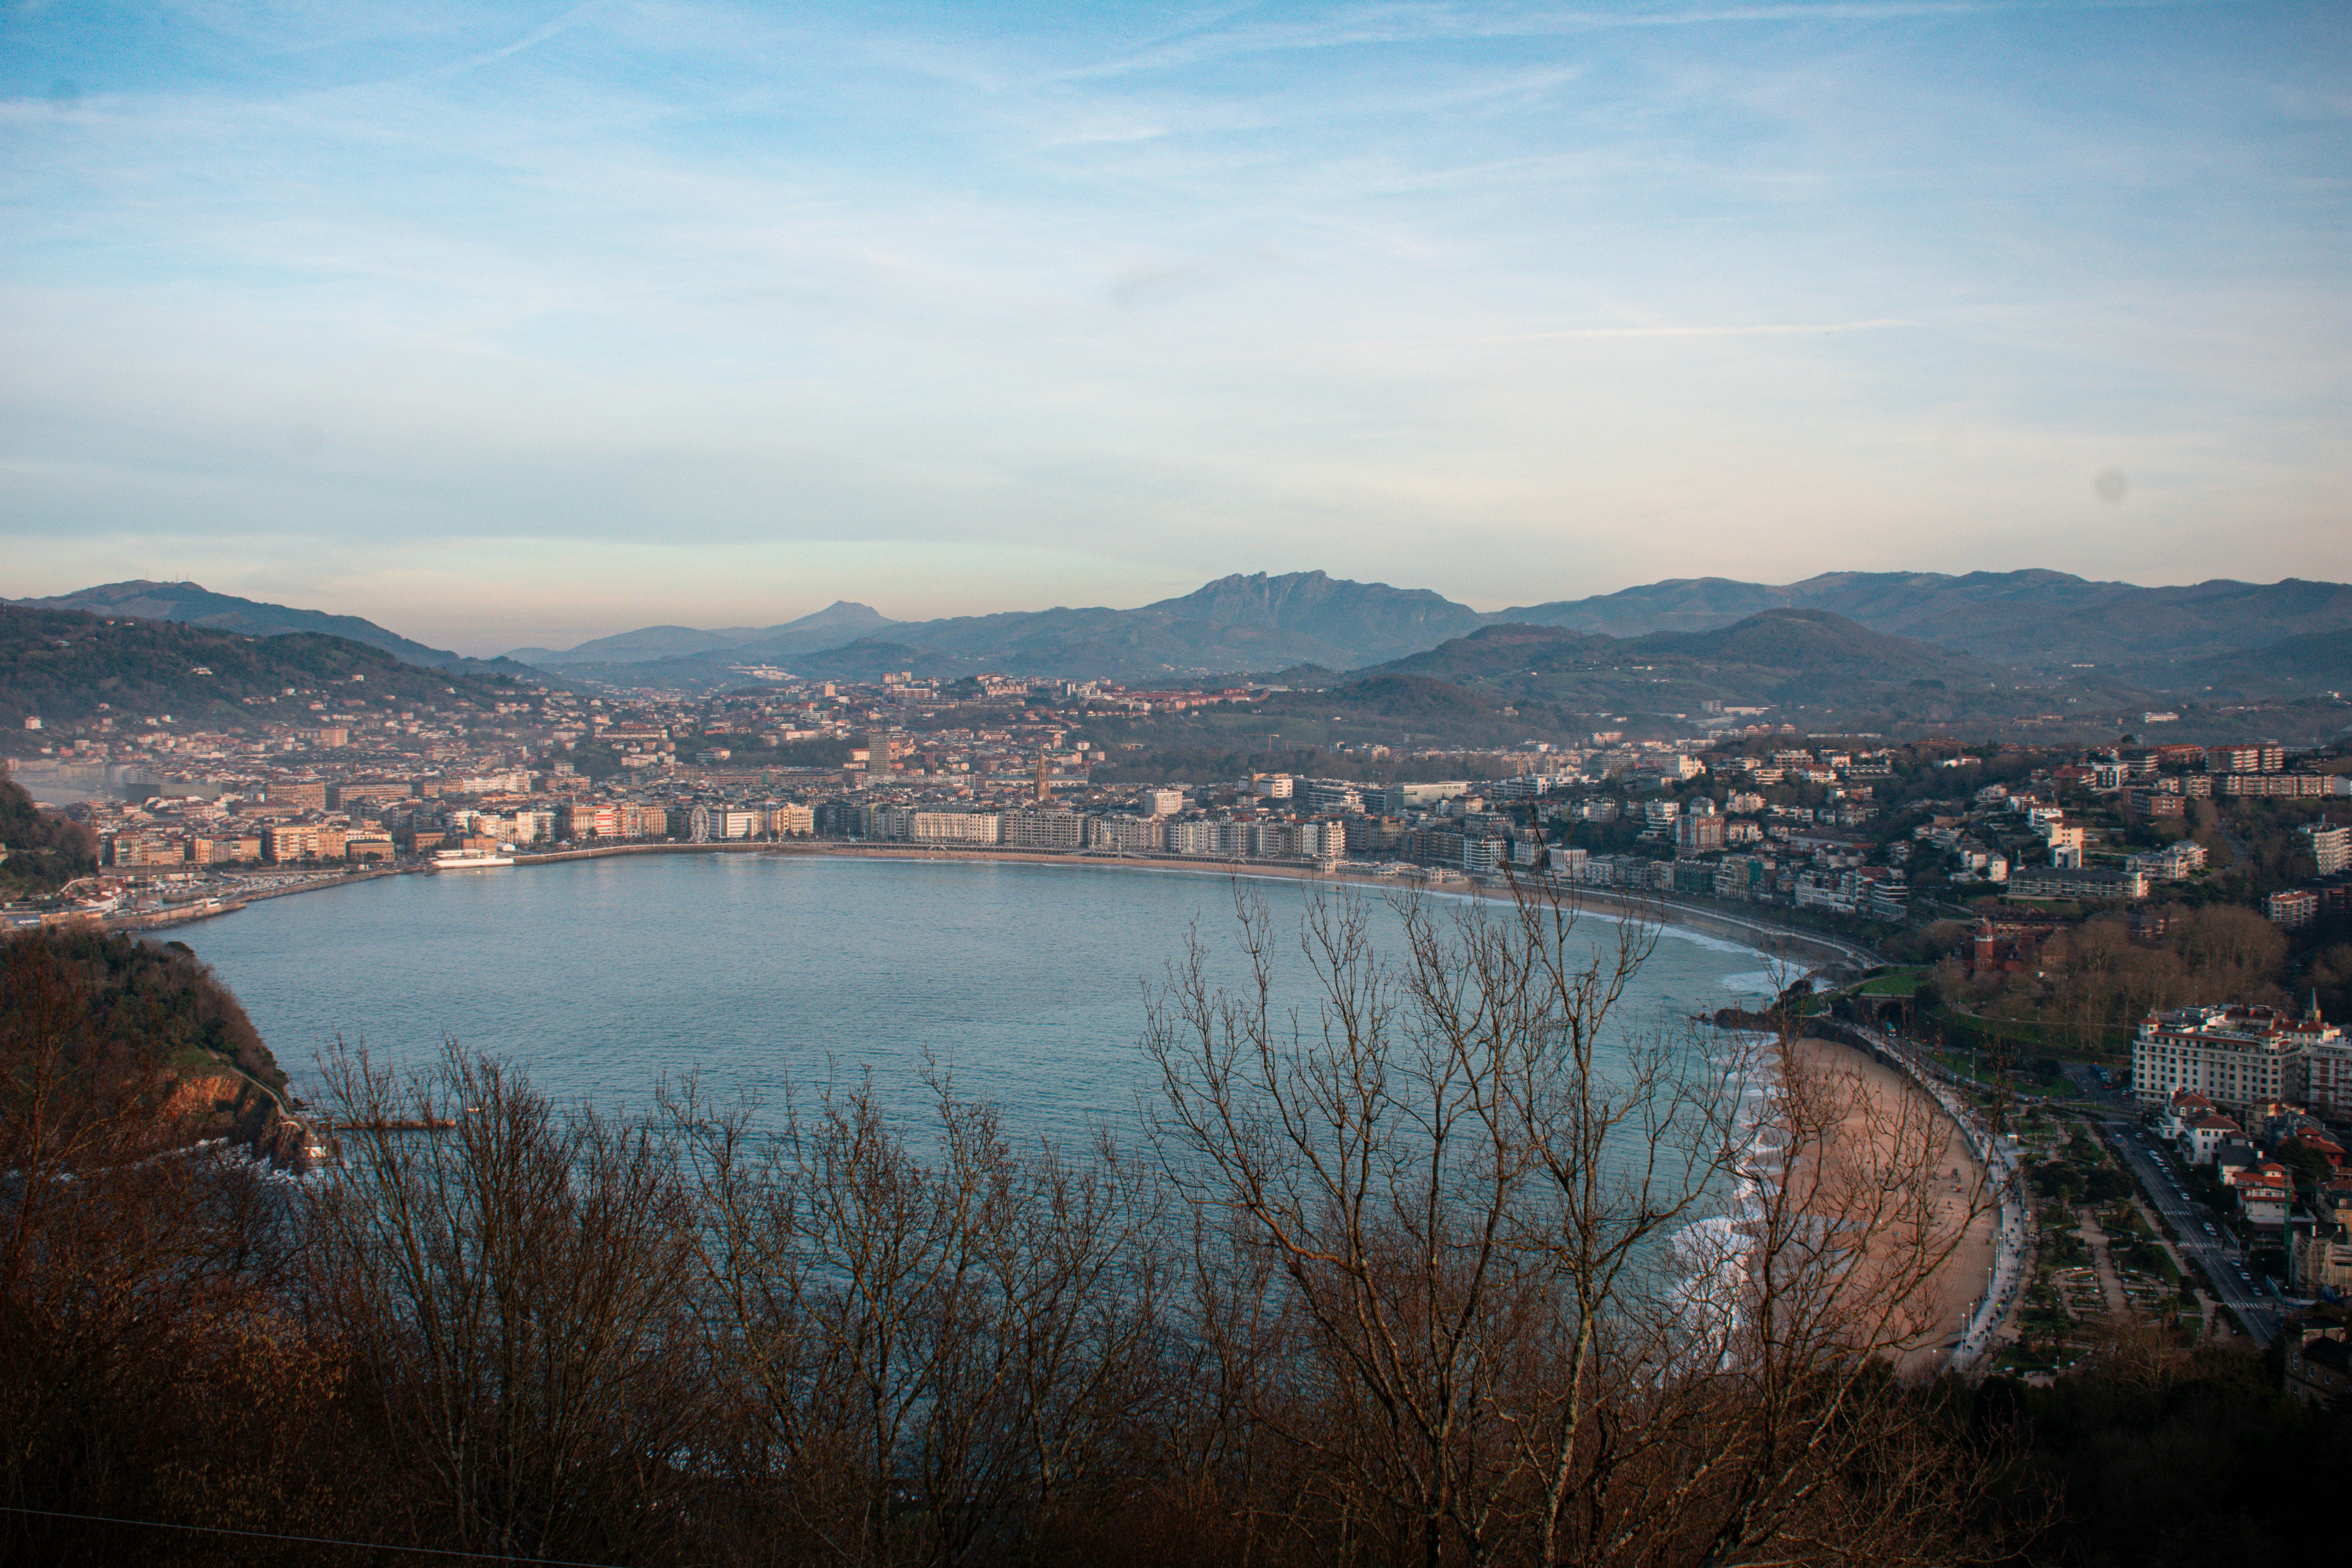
x: 1979, y: 1342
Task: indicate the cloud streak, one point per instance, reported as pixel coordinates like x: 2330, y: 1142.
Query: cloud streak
x: 1116, y: 299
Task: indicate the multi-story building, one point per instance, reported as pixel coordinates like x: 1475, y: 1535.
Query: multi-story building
x: 1041, y: 831
x: 2327, y: 1076
x: 1400, y: 797
x: 2090, y: 883
x: 129, y: 849
x: 1333, y: 795
x: 299, y: 795
x: 2172, y: 863
x: 1277, y: 840
x: 1123, y: 833
x: 1161, y: 802
x: 2238, y: 1057
x: 2294, y: 908
x: 2331, y: 845
x: 2158, y: 802
x: 956, y: 827
x: 582, y: 820
x: 1698, y: 835
x: 301, y: 841
x: 2265, y: 757
x: 1206, y: 836
x: 1743, y: 877
x: 2286, y: 786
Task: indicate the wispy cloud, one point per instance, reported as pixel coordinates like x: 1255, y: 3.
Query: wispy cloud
x: 553, y: 26
x: 1418, y: 290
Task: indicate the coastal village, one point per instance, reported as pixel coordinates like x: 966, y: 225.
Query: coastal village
x: 1977, y: 868
x: 1829, y: 826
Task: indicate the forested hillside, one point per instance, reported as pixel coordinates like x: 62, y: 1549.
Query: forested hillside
x: 44, y: 850
x: 59, y: 665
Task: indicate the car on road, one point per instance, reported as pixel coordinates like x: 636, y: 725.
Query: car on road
x: 2209, y: 1230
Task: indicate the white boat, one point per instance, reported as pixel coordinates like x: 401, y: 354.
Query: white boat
x: 467, y: 860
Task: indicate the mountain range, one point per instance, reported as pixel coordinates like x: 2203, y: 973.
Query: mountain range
x: 2011, y: 616
x: 142, y: 600
x: 2258, y: 639
x: 2251, y: 637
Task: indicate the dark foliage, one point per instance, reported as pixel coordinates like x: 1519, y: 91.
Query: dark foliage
x: 46, y: 851
x: 59, y: 665
x: 2167, y: 1459
x: 152, y: 1005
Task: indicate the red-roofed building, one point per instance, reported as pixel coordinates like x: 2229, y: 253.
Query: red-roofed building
x: 2266, y: 1191
x: 2239, y: 1057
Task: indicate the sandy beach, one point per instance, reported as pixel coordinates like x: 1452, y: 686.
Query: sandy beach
x: 1888, y: 1132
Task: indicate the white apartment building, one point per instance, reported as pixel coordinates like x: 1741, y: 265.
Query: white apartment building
x: 1041, y: 831
x: 1220, y: 839
x: 1121, y: 834
x: 2239, y: 1058
x: 1161, y: 802
x: 1567, y: 862
x: 1333, y: 795
x: 2172, y: 863
x: 1422, y: 797
x: 2331, y: 845
x: 956, y: 827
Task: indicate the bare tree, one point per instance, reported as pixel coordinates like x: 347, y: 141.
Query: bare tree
x: 941, y: 1357
x: 513, y: 1295
x: 147, y: 1365
x: 1550, y: 1305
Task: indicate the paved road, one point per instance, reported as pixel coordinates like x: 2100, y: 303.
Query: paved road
x: 2204, y: 1237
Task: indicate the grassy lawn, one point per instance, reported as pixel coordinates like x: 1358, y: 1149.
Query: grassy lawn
x: 1902, y: 983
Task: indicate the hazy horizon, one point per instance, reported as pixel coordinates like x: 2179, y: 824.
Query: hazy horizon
x: 505, y: 326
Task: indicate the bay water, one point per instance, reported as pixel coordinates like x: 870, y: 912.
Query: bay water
x: 1027, y: 982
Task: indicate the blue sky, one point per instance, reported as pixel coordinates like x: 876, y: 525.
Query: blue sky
x: 518, y: 324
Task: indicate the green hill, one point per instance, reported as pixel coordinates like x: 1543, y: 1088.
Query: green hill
x: 59, y: 665
x: 140, y: 1011
x: 199, y: 605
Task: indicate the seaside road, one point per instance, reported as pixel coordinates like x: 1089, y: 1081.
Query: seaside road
x: 1978, y: 1340
x: 2203, y: 1237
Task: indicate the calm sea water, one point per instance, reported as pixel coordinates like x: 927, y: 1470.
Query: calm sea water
x: 600, y: 976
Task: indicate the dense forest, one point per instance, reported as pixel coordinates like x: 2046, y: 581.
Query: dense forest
x: 132, y: 1010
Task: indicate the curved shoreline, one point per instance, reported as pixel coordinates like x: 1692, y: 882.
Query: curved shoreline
x: 1768, y: 938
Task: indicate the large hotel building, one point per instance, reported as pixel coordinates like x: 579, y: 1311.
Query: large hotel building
x: 2244, y: 1058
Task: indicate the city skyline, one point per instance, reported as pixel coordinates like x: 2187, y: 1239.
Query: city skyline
x: 508, y: 326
